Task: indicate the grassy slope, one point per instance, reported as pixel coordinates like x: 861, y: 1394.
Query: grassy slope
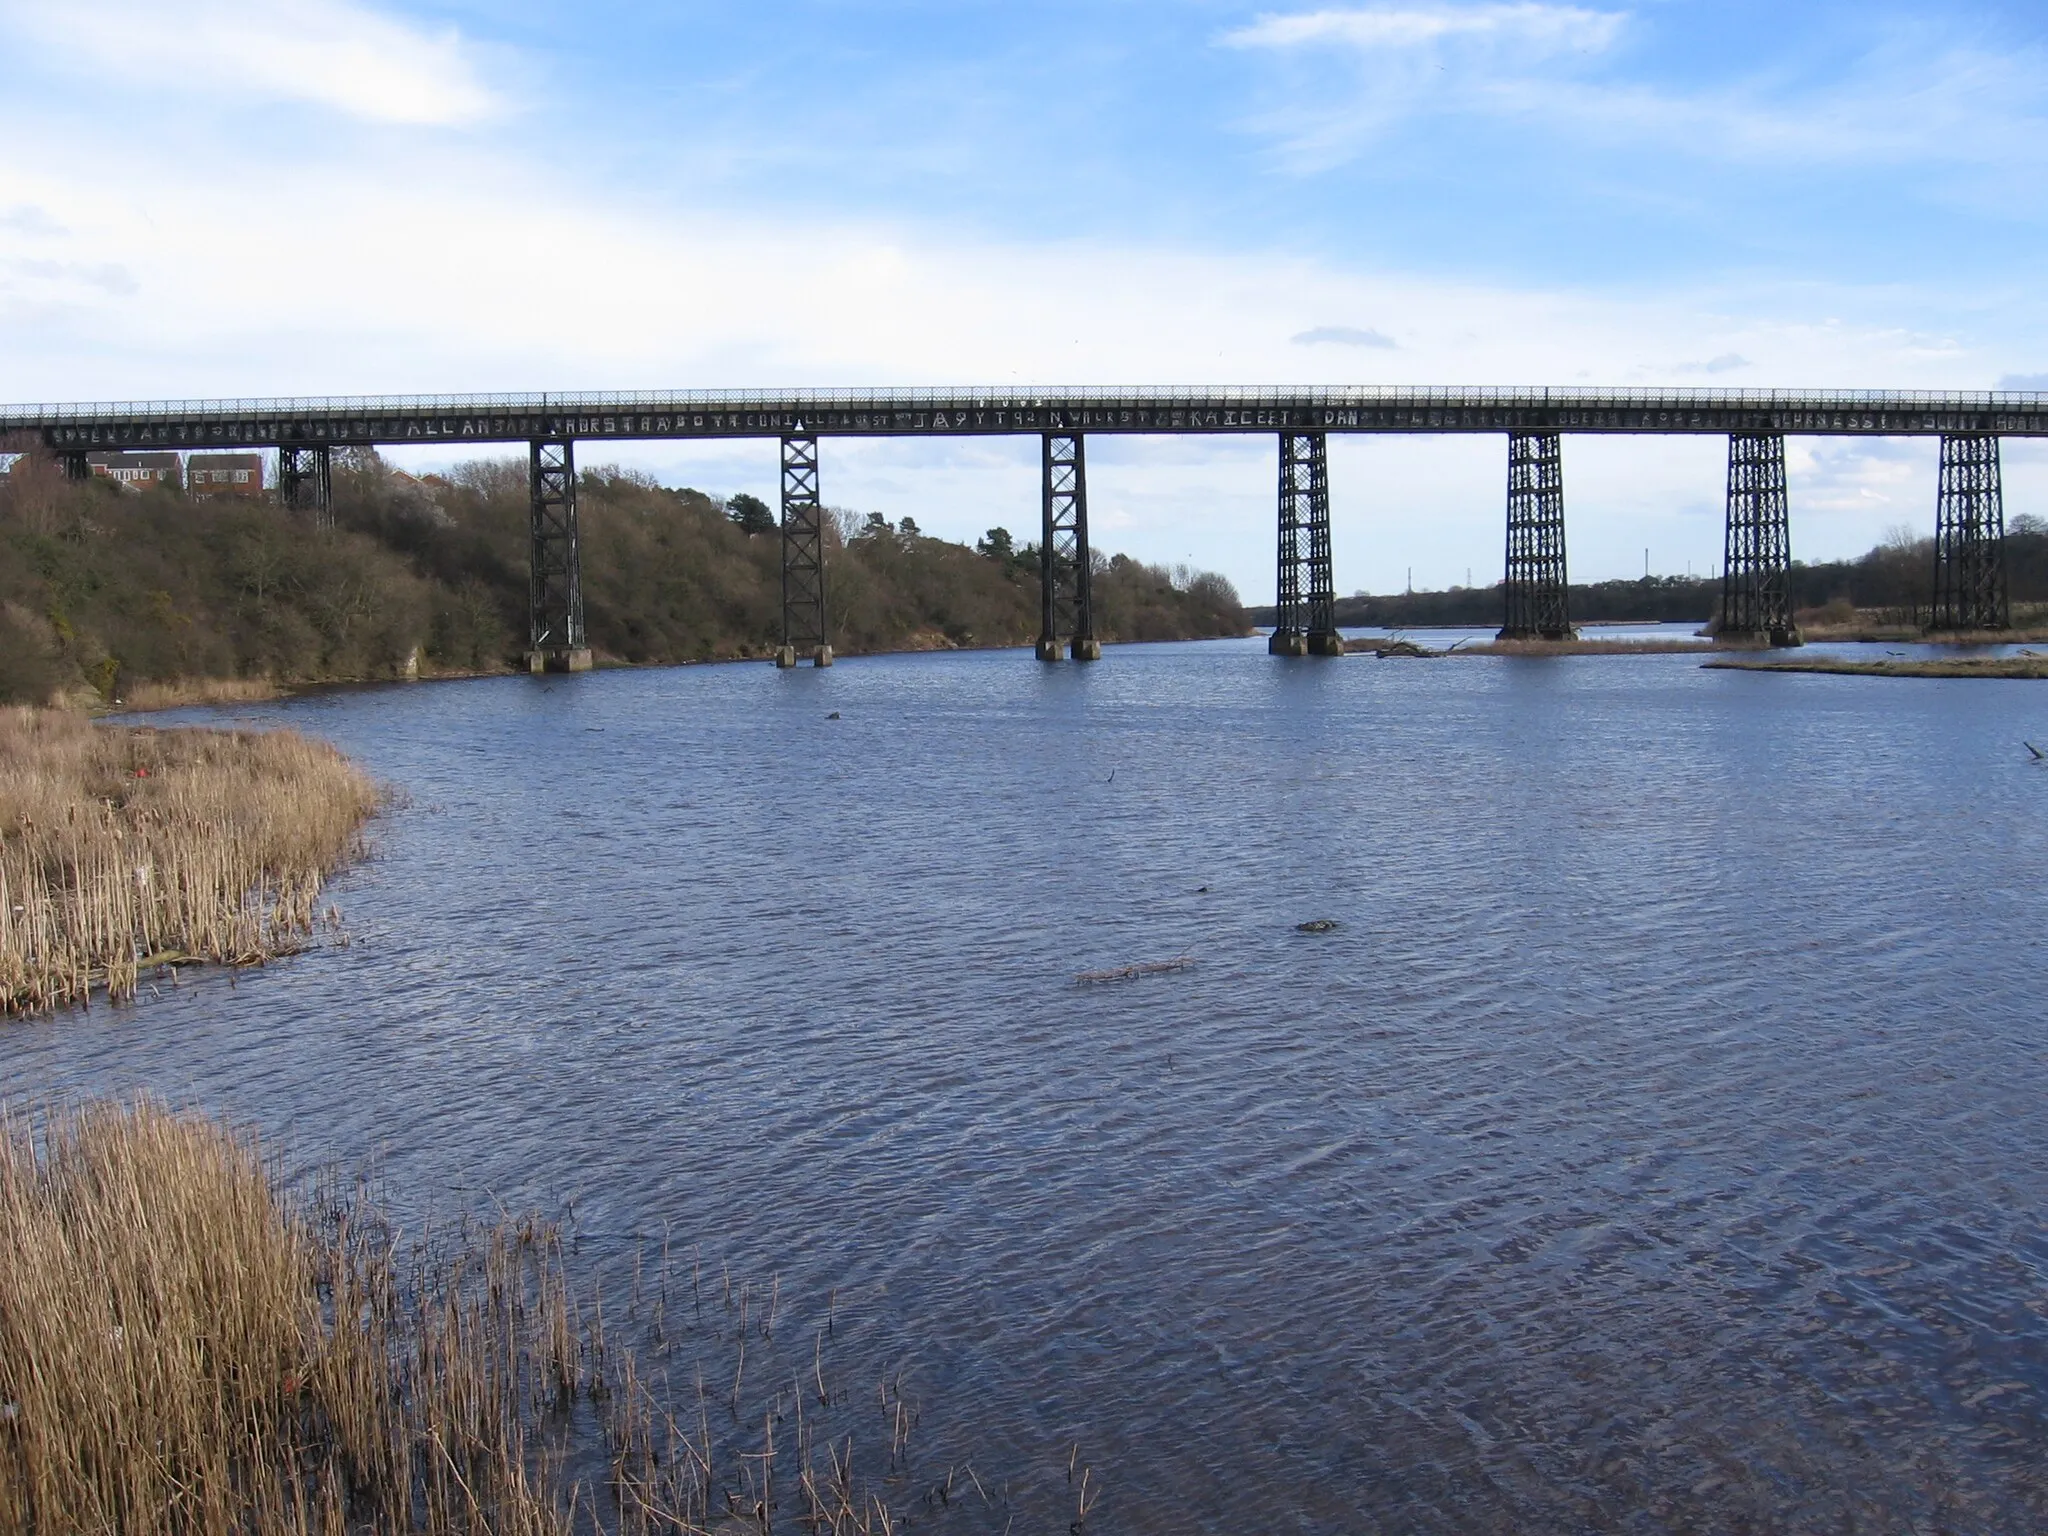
x: 116, y: 589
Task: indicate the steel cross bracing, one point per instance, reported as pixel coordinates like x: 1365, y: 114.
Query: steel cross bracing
x: 305, y: 483
x: 1756, y: 570
x: 1065, y: 564
x: 555, y: 607
x: 1308, y: 609
x: 995, y: 409
x: 803, y: 552
x: 1536, y: 589
x: 1969, y: 538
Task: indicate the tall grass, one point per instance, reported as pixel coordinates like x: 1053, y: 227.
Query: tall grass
x: 186, y: 1348
x: 122, y: 847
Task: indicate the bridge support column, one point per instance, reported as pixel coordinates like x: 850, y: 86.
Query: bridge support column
x: 305, y: 482
x: 1538, y: 606
x: 1065, y: 564
x: 804, y: 629
x: 555, y: 641
x: 1969, y: 538
x: 1307, y: 621
x: 74, y: 465
x: 1756, y: 553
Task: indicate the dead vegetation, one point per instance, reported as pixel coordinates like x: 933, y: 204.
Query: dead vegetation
x: 2023, y: 665
x: 124, y: 848
x: 186, y: 1348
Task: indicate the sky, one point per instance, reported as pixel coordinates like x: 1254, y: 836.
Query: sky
x: 271, y: 197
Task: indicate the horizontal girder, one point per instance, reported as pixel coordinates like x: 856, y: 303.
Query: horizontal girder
x: 457, y: 419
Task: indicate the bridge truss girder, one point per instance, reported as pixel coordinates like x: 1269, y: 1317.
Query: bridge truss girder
x: 305, y: 482
x: 1307, y: 620
x: 1970, y: 590
x: 555, y: 638
x: 1756, y: 561
x: 1066, y: 572
x: 1536, y: 587
x: 805, y: 629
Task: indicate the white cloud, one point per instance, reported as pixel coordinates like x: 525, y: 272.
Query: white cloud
x: 1344, y: 336
x: 325, y: 52
x: 1383, y: 27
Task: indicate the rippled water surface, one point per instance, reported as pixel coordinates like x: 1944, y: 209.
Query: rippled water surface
x: 1656, y: 1143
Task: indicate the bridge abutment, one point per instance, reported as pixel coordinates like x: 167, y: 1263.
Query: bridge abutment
x: 804, y: 627
x: 1756, y: 554
x: 555, y: 639
x: 1536, y: 589
x: 1970, y: 591
x: 74, y: 466
x: 305, y: 482
x: 1307, y: 619
x: 1066, y: 572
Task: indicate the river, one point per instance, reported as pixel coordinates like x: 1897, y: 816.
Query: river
x: 1655, y: 1143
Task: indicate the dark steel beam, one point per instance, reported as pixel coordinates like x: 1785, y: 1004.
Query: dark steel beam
x: 1066, y: 574
x: 555, y: 639
x: 1756, y: 557
x: 805, y: 631
x: 305, y: 483
x: 1536, y: 587
x: 74, y: 466
x: 456, y: 421
x: 1969, y: 538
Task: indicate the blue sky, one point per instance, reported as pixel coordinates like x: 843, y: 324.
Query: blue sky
x: 277, y: 196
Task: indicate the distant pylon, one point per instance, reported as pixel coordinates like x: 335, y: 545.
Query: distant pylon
x: 1756, y: 557
x: 1538, y: 605
x: 1969, y: 538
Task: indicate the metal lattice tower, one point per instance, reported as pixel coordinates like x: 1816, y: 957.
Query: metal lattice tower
x: 75, y: 466
x: 1969, y: 538
x: 1756, y: 554
x: 1065, y: 564
x: 1537, y: 602
x: 1308, y: 608
x: 804, y: 628
x: 305, y: 482
x: 555, y: 606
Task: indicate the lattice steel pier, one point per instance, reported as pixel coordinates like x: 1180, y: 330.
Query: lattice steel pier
x: 1756, y: 566
x: 805, y: 631
x: 1307, y: 620
x: 305, y: 482
x: 1065, y: 563
x: 555, y: 641
x: 1969, y: 538
x: 1538, y: 605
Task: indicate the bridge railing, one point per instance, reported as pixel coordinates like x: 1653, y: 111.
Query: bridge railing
x: 1013, y: 396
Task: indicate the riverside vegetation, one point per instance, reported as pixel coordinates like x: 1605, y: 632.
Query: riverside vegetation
x: 118, y: 592
x: 188, y: 1345
x: 122, y: 849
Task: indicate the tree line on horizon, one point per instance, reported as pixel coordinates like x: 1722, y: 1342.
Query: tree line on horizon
x: 1894, y: 582
x: 106, y: 586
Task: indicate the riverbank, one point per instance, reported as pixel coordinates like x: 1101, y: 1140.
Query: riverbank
x: 1389, y: 649
x: 123, y: 848
x: 189, y: 1344
x: 1944, y: 666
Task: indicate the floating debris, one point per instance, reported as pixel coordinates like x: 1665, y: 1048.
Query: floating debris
x: 1317, y: 925
x: 1141, y: 968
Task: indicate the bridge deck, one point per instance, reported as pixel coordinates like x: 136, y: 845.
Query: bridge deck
x: 390, y: 419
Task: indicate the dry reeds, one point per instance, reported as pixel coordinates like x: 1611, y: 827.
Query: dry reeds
x: 183, y: 1348
x: 121, y: 848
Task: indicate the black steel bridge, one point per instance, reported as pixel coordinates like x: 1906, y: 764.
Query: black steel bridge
x: 1969, y: 575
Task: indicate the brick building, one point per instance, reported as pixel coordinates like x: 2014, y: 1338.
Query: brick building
x: 135, y: 471
x: 224, y: 474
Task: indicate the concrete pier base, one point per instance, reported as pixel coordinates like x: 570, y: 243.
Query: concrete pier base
x: 822, y: 656
x: 1284, y: 642
x: 1326, y: 643
x: 1049, y: 648
x: 1089, y: 649
x: 576, y: 660
x: 785, y: 657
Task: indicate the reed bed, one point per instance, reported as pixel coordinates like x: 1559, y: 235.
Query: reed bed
x: 187, y: 1347
x: 123, y: 848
